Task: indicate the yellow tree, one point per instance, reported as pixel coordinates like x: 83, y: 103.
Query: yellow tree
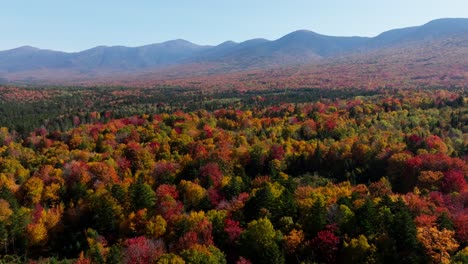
x: 293, y: 240
x: 193, y: 193
x: 156, y: 226
x: 438, y: 244
x: 5, y: 211
x: 33, y: 188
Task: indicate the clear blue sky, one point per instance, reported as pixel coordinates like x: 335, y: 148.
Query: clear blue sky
x: 73, y: 25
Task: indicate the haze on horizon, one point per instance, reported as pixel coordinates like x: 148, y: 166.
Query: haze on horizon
x: 79, y: 25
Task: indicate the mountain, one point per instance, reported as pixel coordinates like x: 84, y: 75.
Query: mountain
x: 436, y: 29
x: 30, y: 58
x: 299, y: 47
x: 183, y: 58
x: 124, y: 58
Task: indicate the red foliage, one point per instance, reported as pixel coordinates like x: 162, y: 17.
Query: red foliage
x: 198, y: 150
x: 211, y: 174
x: 167, y: 190
x: 425, y: 220
x: 164, y: 169
x: 142, y: 250
x: 461, y: 227
x: 200, y: 234
x: 123, y: 163
x: 415, y: 139
x: 37, y: 213
x: 330, y: 125
x: 214, y: 196
x: 277, y: 152
x: 436, y: 162
x: 188, y: 240
x: 454, y: 181
x: 167, y: 204
x: 205, y: 232
x: 233, y: 229
x: 208, y: 131
x: 77, y: 171
x: 243, y: 260
x: 325, y: 246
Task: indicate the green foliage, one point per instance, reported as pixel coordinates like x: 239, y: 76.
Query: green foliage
x: 204, y: 255
x: 259, y: 242
x: 263, y: 176
x: 141, y: 195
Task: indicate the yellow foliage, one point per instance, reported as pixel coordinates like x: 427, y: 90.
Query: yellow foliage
x: 216, y: 215
x: 37, y: 234
x: 170, y: 259
x: 438, y: 244
x: 33, y: 188
x: 358, y: 202
x: 156, y: 227
x: 360, y: 243
x: 51, y: 194
x: 358, y: 250
x: 8, y: 181
x: 277, y: 165
x: 52, y: 217
x: 430, y: 176
x: 195, y: 217
x: 307, y: 195
x: 226, y: 180
x: 276, y: 189
x: 193, y: 193
x: 5, y: 211
x: 283, y: 176
x: 293, y: 240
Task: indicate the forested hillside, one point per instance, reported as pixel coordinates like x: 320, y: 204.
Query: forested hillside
x: 274, y: 176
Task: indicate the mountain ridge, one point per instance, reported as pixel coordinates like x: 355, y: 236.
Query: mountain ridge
x: 300, y: 47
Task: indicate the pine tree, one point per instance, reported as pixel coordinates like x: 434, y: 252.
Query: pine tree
x: 141, y: 195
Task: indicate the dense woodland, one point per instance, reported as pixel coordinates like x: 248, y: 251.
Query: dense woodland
x: 117, y: 175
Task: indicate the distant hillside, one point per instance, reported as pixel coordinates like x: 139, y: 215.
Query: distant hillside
x: 180, y: 58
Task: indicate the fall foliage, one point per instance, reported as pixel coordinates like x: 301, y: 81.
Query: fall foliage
x: 368, y: 176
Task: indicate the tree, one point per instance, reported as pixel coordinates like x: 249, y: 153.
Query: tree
x: 358, y: 250
x: 444, y: 222
x: 325, y: 246
x: 259, y: 242
x: 140, y: 250
x: 156, y: 227
x: 461, y: 257
x: 202, y: 254
x: 293, y: 240
x: 366, y: 217
x: 233, y: 229
x: 141, y: 195
x: 192, y: 193
x: 403, y: 231
x: 97, y: 246
x: 211, y: 175
x: 5, y: 211
x: 106, y: 211
x: 33, y: 188
x: 170, y: 259
x: 454, y: 181
x: 37, y: 234
x: 316, y: 218
x: 438, y: 244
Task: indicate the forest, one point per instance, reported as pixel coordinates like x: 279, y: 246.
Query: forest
x: 186, y: 175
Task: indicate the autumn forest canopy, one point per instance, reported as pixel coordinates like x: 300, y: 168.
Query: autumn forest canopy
x: 190, y: 175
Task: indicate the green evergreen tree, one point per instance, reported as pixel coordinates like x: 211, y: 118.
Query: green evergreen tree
x: 141, y: 195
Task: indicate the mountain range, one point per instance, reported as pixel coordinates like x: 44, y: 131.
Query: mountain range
x: 181, y: 57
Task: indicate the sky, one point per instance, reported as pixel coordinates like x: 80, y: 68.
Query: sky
x: 75, y: 25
